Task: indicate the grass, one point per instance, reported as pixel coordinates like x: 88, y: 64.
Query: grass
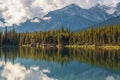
x: 110, y: 47
x: 107, y: 47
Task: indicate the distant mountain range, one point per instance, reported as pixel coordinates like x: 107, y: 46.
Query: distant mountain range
x: 73, y: 17
x: 109, y: 22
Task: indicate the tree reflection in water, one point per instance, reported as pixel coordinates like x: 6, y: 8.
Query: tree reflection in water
x: 105, y: 58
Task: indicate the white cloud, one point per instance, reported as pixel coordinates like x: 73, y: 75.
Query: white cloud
x: 1, y: 1
x: 18, y: 72
x: 18, y: 11
x: 35, y: 71
x: 14, y: 12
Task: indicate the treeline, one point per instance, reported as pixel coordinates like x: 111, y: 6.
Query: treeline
x: 109, y: 35
x: 9, y: 37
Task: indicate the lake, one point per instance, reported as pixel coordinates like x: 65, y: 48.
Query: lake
x: 20, y: 63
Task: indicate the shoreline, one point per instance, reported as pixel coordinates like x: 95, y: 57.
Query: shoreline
x: 107, y: 47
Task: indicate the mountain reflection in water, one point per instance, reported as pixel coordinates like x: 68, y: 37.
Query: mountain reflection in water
x: 59, y: 64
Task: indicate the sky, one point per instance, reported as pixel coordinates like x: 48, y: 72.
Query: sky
x: 18, y: 11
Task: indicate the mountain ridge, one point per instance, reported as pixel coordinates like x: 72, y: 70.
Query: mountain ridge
x: 109, y: 22
x: 71, y: 16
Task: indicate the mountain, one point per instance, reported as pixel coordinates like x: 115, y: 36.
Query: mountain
x: 112, y: 21
x: 116, y: 10
x: 72, y: 17
x: 100, y: 12
x: 1, y: 20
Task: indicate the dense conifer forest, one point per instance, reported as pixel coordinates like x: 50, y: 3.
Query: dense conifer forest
x: 108, y: 35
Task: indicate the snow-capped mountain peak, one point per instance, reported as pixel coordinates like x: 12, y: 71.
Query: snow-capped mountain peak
x: 72, y: 8
x: 71, y: 16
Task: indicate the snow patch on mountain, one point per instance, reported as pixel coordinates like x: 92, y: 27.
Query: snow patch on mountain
x: 35, y: 20
x: 1, y: 24
x: 111, y: 11
x: 47, y: 18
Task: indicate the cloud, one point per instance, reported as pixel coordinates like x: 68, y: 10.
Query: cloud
x: 19, y: 72
x: 24, y: 69
x: 14, y: 12
x: 18, y: 11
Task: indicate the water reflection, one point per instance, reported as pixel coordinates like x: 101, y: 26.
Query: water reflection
x: 105, y: 58
x: 19, y: 72
x: 59, y: 64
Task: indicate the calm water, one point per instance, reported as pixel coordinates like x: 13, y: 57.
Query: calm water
x: 59, y: 64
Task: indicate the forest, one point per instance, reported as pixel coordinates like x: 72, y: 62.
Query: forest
x: 107, y: 35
